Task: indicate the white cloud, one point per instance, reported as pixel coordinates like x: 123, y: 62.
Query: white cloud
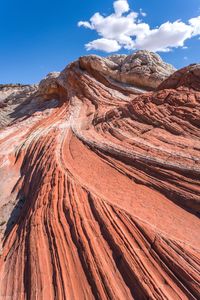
x: 167, y: 36
x: 143, y: 14
x: 124, y: 29
x: 120, y: 7
x: 195, y: 24
x: 104, y: 45
x: 85, y: 24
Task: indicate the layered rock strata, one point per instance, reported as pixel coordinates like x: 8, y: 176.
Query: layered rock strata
x: 100, y: 188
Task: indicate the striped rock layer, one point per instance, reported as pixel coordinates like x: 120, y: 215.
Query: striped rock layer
x: 100, y: 189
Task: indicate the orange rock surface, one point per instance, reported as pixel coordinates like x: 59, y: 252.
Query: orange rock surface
x: 100, y: 190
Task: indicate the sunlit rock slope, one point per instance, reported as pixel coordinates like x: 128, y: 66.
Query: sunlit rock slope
x: 100, y: 182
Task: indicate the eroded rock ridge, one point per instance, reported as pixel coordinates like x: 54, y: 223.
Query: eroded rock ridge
x: 100, y: 190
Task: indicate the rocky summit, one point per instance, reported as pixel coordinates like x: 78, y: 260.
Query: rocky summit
x: 100, y: 182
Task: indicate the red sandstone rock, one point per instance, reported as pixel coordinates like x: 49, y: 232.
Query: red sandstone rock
x: 187, y: 77
x: 100, y: 189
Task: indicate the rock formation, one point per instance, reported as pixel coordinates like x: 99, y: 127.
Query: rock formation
x: 143, y: 69
x: 100, y: 189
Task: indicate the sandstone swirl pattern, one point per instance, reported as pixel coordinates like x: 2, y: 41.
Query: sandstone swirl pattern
x: 100, y: 188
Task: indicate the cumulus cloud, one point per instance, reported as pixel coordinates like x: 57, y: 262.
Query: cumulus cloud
x: 120, y: 7
x: 106, y: 45
x: 167, y: 36
x: 195, y: 24
x: 125, y: 29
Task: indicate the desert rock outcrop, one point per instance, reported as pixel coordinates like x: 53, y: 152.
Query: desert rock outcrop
x: 143, y: 69
x: 100, y: 188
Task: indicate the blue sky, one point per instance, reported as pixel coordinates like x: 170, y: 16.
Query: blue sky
x: 38, y: 37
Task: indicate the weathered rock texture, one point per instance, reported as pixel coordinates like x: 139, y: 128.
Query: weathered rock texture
x: 143, y: 69
x: 100, y: 189
x: 12, y: 98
